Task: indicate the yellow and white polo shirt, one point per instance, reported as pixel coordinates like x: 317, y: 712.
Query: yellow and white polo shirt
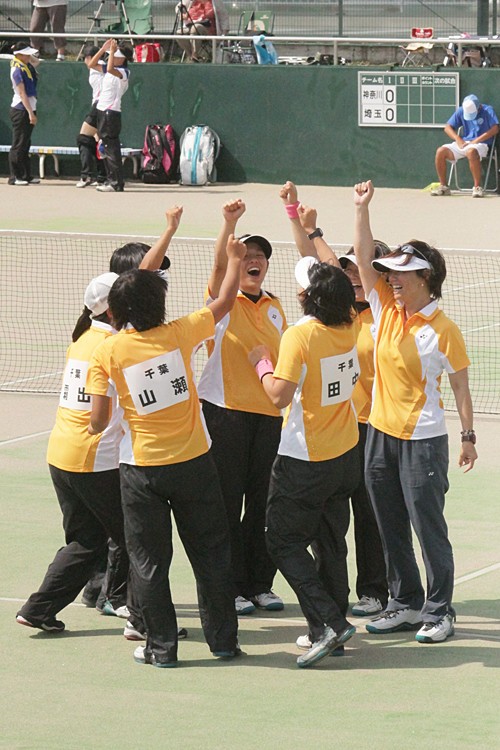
x: 362, y: 396
x: 71, y: 448
x: 228, y: 379
x: 320, y: 423
x: 410, y: 357
x: 152, y: 374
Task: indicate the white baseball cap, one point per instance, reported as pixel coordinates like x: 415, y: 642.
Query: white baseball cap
x: 96, y: 294
x: 302, y: 269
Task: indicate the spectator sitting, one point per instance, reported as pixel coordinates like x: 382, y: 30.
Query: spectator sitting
x: 197, y: 20
x: 473, y: 128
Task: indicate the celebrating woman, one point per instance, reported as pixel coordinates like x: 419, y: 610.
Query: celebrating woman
x: 407, y: 444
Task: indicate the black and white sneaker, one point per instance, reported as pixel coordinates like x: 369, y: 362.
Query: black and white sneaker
x: 50, y: 625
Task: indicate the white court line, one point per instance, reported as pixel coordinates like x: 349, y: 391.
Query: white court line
x: 291, y: 621
x: 28, y: 380
x: 477, y: 573
x: 24, y: 437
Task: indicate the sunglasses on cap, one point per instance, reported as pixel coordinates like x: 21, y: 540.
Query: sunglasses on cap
x: 410, y: 250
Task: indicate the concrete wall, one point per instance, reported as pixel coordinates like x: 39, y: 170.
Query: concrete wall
x: 275, y: 122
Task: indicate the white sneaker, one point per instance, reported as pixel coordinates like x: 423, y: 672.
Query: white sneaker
x: 34, y: 181
x: 132, y: 634
x: 328, y: 642
x: 436, y: 632
x: 140, y: 658
x: 122, y: 611
x: 392, y: 622
x: 83, y: 183
x: 303, y: 642
x: 268, y: 600
x: 243, y: 606
x: 477, y: 191
x: 367, y: 605
x: 20, y: 182
x: 441, y: 190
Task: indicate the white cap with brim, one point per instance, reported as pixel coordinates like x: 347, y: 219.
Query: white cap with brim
x: 118, y: 53
x: 27, y: 51
x: 470, y: 107
x: 345, y: 259
x: 397, y: 263
x: 302, y: 269
x: 96, y: 294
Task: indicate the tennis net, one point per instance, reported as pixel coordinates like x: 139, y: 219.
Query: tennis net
x: 43, y: 276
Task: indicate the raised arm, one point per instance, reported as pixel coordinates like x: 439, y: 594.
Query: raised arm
x: 459, y: 382
x: 289, y: 196
x: 223, y: 303
x: 94, y: 63
x: 154, y: 257
x: 110, y: 67
x: 322, y: 250
x: 231, y: 212
x: 363, y: 238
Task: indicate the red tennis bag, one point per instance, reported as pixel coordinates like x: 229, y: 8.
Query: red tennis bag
x: 148, y: 52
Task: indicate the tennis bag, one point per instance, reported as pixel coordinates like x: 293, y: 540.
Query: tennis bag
x: 148, y: 52
x: 200, y: 147
x: 159, y: 161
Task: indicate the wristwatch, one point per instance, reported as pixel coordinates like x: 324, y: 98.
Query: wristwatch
x: 468, y: 436
x: 317, y: 233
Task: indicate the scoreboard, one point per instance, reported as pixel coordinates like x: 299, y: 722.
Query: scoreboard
x: 407, y: 100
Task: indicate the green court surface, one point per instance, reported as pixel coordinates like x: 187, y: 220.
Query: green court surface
x: 81, y: 690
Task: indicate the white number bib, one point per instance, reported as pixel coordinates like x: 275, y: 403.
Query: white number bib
x: 73, y: 394
x: 338, y: 377
x: 158, y: 382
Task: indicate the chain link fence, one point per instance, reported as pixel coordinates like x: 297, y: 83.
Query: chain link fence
x: 370, y: 18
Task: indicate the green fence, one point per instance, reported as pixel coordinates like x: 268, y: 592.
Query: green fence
x: 275, y: 122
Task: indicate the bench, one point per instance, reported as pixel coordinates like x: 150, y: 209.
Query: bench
x: 56, y: 151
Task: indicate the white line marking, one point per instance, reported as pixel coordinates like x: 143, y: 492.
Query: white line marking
x: 36, y: 377
x: 292, y: 621
x: 24, y: 437
x: 477, y: 573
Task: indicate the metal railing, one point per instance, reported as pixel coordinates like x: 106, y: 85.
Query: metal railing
x: 334, y: 43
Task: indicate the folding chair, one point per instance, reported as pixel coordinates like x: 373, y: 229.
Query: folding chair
x: 135, y: 18
x: 416, y: 54
x: 491, y: 159
x: 251, y: 23
x: 256, y: 22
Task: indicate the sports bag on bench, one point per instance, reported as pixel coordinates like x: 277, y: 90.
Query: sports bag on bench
x: 159, y: 155
x: 200, y: 147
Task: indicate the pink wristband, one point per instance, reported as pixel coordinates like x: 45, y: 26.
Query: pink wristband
x: 264, y: 367
x: 291, y: 209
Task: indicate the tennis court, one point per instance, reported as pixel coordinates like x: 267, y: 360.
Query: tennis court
x: 81, y: 689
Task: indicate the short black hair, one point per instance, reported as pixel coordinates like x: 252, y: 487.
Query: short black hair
x: 330, y: 296
x: 138, y: 297
x: 90, y: 50
x: 130, y: 256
